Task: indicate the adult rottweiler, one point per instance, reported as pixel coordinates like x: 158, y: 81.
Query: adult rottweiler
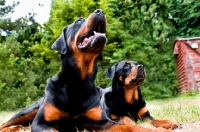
x: 124, y: 97
x: 71, y: 98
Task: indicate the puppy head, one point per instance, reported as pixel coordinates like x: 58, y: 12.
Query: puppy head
x: 127, y: 73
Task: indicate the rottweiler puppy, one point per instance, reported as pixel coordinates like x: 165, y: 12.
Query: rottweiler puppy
x: 71, y: 98
x: 124, y: 97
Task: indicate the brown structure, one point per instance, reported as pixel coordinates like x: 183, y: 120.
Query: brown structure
x: 187, y: 54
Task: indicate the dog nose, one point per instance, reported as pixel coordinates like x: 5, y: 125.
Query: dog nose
x: 140, y: 67
x: 99, y: 11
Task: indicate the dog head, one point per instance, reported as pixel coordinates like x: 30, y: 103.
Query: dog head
x: 127, y: 73
x: 83, y: 35
x: 127, y: 76
x: 82, y: 42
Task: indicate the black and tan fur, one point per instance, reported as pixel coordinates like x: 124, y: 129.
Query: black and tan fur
x: 71, y: 98
x: 124, y: 97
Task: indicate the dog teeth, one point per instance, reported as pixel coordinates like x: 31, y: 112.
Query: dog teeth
x: 86, y: 39
x: 96, y: 33
x: 104, y: 34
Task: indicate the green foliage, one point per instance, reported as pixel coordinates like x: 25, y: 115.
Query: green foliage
x: 17, y: 78
x: 4, y: 10
x: 5, y: 22
x: 28, y: 62
x: 141, y: 31
x: 65, y: 12
x: 187, y: 21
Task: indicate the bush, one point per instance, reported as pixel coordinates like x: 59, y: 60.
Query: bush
x: 17, y: 76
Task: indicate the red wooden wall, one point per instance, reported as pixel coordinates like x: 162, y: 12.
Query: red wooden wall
x: 187, y: 55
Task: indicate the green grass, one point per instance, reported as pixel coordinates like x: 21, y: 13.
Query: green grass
x: 185, y: 109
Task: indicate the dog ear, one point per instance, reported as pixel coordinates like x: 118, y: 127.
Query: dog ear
x: 110, y: 72
x: 100, y: 57
x: 61, y: 44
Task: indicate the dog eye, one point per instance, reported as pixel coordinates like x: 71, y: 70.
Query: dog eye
x: 126, y: 66
x: 79, y: 21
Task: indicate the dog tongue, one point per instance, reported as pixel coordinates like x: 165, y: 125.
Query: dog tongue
x: 88, y: 41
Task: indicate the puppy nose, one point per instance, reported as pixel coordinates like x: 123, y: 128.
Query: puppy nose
x: 140, y: 67
x: 99, y: 11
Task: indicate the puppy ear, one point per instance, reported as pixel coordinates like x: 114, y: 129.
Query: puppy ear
x: 110, y: 72
x: 61, y: 44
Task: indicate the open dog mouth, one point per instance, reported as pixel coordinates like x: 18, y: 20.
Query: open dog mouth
x: 89, y: 39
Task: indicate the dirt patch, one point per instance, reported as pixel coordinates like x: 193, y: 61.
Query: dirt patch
x: 190, y: 127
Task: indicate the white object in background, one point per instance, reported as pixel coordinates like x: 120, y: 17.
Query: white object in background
x: 194, y: 45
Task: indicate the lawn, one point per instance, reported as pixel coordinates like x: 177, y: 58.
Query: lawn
x: 184, y: 109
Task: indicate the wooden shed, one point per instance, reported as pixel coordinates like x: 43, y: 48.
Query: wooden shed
x: 187, y: 55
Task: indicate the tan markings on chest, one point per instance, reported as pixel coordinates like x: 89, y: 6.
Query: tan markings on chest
x: 86, y: 64
x: 85, y: 61
x: 130, y: 94
x: 51, y: 113
x: 94, y: 114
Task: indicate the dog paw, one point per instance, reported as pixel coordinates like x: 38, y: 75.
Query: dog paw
x: 168, y: 124
x: 15, y: 129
